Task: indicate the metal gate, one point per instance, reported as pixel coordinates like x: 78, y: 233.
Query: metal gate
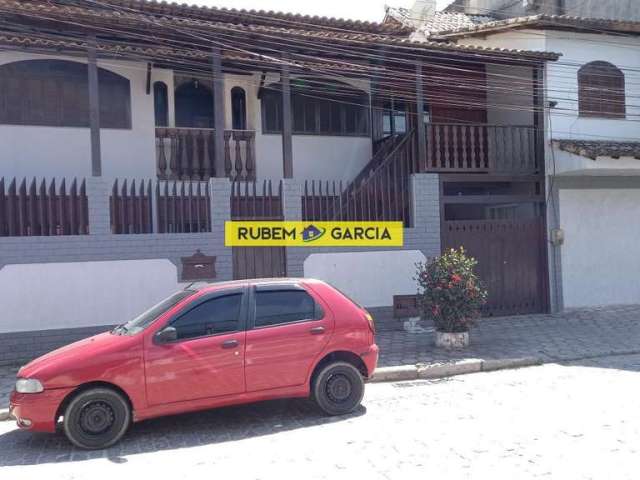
x: 511, y: 261
x: 250, y: 201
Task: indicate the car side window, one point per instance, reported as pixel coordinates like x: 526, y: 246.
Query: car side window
x: 276, y: 307
x: 212, y: 317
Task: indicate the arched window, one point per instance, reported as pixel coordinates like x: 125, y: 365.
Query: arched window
x: 161, y: 104
x: 320, y: 107
x: 601, y: 90
x: 238, y: 109
x: 56, y: 93
x: 194, y: 105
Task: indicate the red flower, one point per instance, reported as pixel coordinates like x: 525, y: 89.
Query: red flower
x: 455, y: 278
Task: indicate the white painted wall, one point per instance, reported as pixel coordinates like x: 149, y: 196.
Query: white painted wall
x: 369, y: 278
x: 27, y: 151
x: 68, y: 295
x: 315, y: 157
x: 578, y: 49
x: 562, y: 79
x: 601, y: 253
x: 66, y: 151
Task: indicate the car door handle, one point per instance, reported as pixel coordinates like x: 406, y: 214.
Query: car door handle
x: 317, y: 331
x: 230, y: 344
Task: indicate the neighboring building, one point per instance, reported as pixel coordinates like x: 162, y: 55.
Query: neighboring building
x: 501, y: 9
x: 592, y: 143
x: 173, y: 119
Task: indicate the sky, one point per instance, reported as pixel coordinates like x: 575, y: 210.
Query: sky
x: 370, y: 10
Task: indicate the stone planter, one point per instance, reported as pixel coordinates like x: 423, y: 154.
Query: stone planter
x: 452, y: 340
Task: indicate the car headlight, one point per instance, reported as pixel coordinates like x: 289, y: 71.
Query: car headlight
x: 28, y: 385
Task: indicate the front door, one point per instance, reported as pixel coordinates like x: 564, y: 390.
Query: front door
x: 207, y: 359
x: 290, y: 329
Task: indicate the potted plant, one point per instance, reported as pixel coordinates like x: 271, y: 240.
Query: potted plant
x: 451, y: 295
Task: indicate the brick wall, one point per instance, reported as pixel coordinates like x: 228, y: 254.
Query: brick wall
x: 101, y: 245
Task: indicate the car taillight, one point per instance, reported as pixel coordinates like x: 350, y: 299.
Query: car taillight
x: 369, y: 318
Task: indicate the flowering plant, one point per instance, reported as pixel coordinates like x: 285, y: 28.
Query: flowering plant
x: 450, y: 293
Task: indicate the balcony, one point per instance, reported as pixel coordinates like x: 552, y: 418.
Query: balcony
x: 469, y: 148
x: 189, y: 154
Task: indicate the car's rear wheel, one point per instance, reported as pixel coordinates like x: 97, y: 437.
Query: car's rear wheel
x: 338, y: 388
x: 96, y: 418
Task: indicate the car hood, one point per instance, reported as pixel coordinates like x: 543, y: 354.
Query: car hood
x: 82, y: 361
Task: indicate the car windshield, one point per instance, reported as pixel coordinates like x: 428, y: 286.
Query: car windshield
x: 145, y: 319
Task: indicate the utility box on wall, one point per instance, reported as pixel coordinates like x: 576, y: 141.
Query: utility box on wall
x: 198, y: 267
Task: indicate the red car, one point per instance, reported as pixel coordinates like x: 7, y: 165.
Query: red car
x: 222, y: 344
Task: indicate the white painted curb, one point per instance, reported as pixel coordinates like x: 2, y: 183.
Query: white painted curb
x: 443, y: 370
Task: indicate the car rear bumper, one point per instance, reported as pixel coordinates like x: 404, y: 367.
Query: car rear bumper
x: 37, y: 411
x: 370, y: 358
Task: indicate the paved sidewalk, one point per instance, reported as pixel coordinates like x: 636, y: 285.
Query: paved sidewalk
x: 562, y: 337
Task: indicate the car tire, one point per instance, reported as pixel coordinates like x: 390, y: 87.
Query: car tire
x: 338, y: 388
x: 96, y: 418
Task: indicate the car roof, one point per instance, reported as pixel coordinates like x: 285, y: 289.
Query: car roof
x: 251, y: 282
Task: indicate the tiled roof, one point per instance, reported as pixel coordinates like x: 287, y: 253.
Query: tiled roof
x: 594, y: 149
x: 440, y: 21
x: 63, y: 11
x: 233, y: 15
x: 147, y: 52
x: 563, y: 22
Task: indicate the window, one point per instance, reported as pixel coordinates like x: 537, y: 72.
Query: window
x: 145, y: 319
x: 394, y: 118
x: 55, y: 93
x: 238, y: 109
x: 161, y: 104
x: 601, y: 91
x: 215, y: 316
x: 194, y: 105
x: 276, y: 307
x: 319, y: 107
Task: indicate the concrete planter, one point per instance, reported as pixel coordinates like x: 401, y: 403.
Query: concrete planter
x: 452, y: 341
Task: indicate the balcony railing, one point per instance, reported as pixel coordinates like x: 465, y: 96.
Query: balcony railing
x: 189, y: 154
x: 482, y: 148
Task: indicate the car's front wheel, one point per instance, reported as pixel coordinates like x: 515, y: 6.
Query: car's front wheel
x: 338, y: 388
x: 96, y: 418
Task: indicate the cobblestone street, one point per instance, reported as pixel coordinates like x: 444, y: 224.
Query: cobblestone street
x: 572, y: 421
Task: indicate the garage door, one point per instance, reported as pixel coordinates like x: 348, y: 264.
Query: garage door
x: 601, y: 253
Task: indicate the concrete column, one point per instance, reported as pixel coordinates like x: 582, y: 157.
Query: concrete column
x: 221, y: 213
x: 292, y: 210
x: 287, y: 121
x: 292, y: 199
x: 94, y: 110
x: 98, y: 194
x: 420, y: 129
x: 218, y: 111
x: 425, y: 212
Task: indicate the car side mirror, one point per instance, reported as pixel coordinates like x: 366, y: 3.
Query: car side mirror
x: 167, y: 335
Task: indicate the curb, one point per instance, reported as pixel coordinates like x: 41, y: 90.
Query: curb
x: 443, y: 370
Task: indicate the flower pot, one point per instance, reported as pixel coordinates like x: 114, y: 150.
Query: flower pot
x: 452, y: 340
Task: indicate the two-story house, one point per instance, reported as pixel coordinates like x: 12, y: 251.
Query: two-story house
x: 130, y: 131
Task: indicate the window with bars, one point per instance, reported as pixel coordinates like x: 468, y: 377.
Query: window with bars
x: 56, y: 93
x: 319, y: 107
x: 601, y: 91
